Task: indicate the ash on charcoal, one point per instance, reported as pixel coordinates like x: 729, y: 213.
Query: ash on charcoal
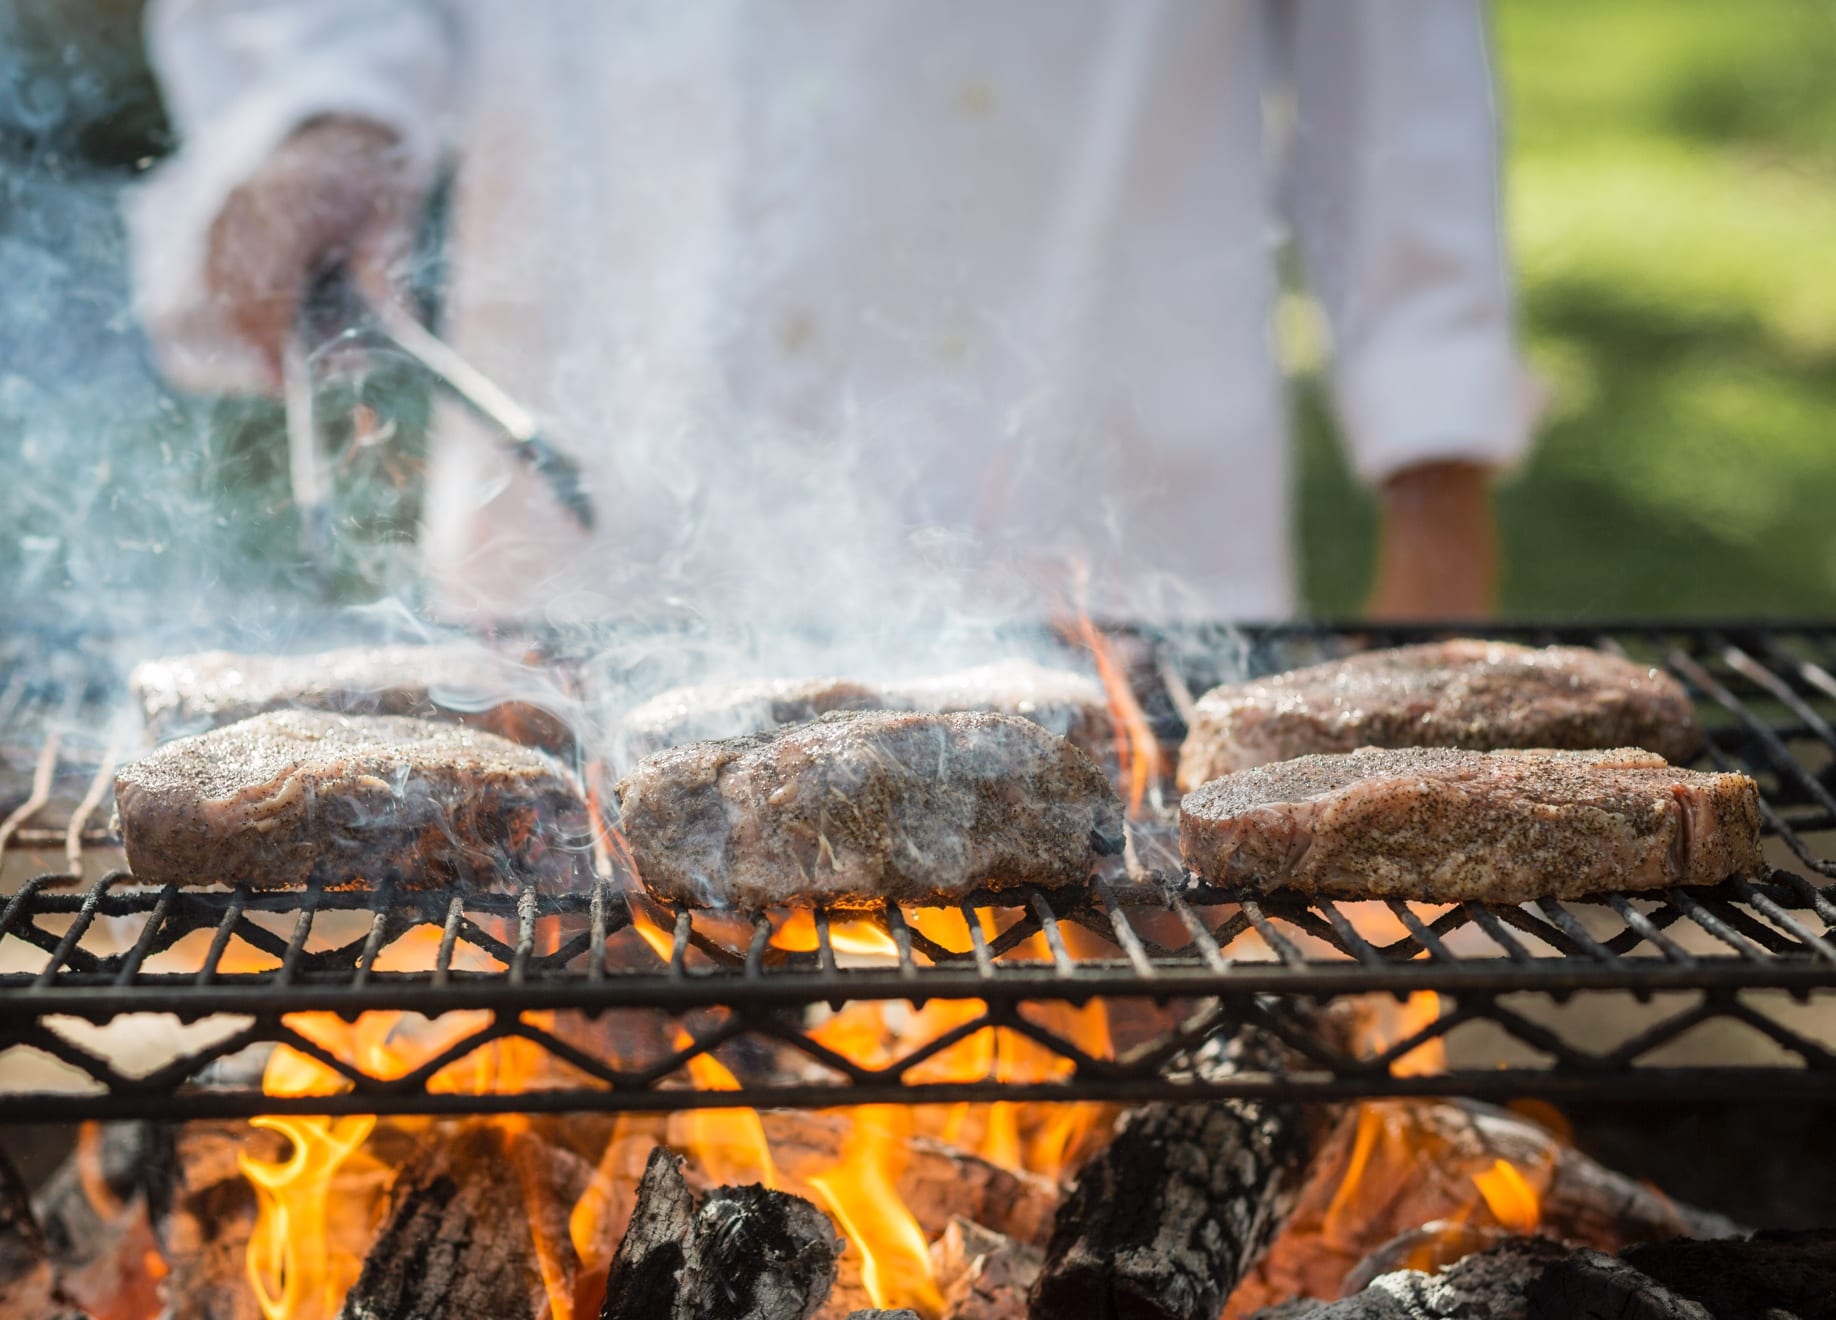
x: 748, y: 1253
x: 1163, y: 1222
x: 1771, y: 1276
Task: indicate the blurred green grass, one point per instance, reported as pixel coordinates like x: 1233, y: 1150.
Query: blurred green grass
x: 1671, y: 202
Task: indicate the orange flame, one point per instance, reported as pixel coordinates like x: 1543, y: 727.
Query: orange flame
x: 661, y: 942
x: 294, y: 1274
x: 862, y: 1195
x: 1509, y: 1196
x: 1137, y: 749
x: 797, y: 934
x: 730, y: 1144
x: 1428, y: 1059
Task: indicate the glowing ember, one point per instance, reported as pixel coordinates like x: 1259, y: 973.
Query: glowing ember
x: 1510, y: 1197
x: 861, y: 1193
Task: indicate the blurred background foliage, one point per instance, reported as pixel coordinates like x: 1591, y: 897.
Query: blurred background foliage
x: 1671, y: 199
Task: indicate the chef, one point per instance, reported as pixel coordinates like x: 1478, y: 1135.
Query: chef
x: 836, y: 297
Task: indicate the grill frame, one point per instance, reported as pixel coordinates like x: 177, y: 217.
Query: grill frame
x: 1764, y: 689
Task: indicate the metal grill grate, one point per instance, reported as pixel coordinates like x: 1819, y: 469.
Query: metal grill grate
x: 1704, y: 993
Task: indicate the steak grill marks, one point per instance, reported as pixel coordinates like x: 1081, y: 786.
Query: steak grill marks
x: 1767, y: 699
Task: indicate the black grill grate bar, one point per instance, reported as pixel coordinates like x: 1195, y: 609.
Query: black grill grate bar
x: 755, y: 948
x: 1201, y: 937
x: 1426, y: 937
x: 150, y: 932
x: 1716, y: 925
x: 219, y: 941
x: 1282, y: 947
x: 1742, y: 663
x: 1125, y: 934
x: 85, y: 916
x: 302, y: 931
x: 99, y: 787
x: 377, y: 937
x: 902, y: 941
x: 1349, y: 937
x: 1054, y: 938
x: 1487, y: 920
x: 449, y: 940
x: 978, y: 941
x: 1579, y: 937
x: 1649, y: 930
x: 525, y: 932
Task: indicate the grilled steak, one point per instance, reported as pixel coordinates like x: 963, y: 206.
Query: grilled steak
x: 858, y: 807
x: 461, y: 682
x: 1066, y: 703
x: 1444, y: 825
x: 1479, y: 695
x: 290, y: 796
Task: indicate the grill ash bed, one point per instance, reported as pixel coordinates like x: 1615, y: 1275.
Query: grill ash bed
x: 562, y: 1036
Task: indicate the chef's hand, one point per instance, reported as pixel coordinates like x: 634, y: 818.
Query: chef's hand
x: 1437, y: 548
x: 335, y: 189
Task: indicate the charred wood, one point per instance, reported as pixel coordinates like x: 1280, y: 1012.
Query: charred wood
x: 476, y: 1225
x: 1792, y: 1273
x: 757, y: 1254
x: 983, y: 1275
x: 203, y: 1213
x: 937, y: 1183
x: 1417, y: 1166
x: 93, y: 1212
x: 1770, y: 1274
x: 746, y: 1253
x: 1163, y: 1222
x: 28, y: 1288
x: 647, y: 1267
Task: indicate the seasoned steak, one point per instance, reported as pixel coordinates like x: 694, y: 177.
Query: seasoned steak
x: 1479, y: 695
x: 1066, y: 703
x: 1444, y: 825
x: 858, y: 807
x: 291, y: 796
x: 458, y: 681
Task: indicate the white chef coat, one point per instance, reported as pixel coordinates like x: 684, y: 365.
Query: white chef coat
x: 835, y: 300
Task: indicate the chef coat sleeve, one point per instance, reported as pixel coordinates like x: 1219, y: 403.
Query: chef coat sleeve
x: 237, y: 77
x: 1393, y: 190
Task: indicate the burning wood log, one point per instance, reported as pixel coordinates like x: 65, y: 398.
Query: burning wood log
x: 1395, y: 1166
x: 28, y: 1288
x: 746, y: 1254
x: 649, y: 1260
x: 984, y: 1276
x: 477, y: 1225
x: 96, y: 1228
x: 203, y: 1212
x: 937, y: 1182
x: 1537, y: 1279
x: 1166, y: 1219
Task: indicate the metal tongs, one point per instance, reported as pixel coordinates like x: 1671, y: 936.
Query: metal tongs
x: 335, y: 313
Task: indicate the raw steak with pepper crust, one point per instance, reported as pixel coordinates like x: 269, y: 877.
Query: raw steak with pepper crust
x: 859, y: 807
x: 1462, y: 693
x: 291, y: 796
x: 1444, y: 826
